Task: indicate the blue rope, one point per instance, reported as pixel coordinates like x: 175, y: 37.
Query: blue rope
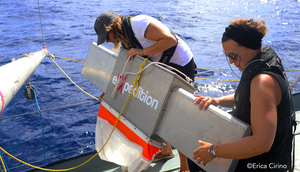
x: 4, y: 163
x: 15, y: 98
x: 42, y: 126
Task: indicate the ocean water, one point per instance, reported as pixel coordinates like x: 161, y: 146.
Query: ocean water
x: 69, y: 116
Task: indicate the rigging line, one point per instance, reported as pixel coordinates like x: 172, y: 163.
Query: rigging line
x: 53, y: 156
x: 223, y: 68
x: 3, y: 163
x: 289, y: 54
x: 15, y: 98
x: 41, y: 23
x: 225, y: 79
x: 73, y: 81
x: 211, y: 69
x: 216, y: 79
x: 290, y: 70
x: 69, y: 59
x: 72, y: 168
x: 42, y: 126
x: 48, y: 109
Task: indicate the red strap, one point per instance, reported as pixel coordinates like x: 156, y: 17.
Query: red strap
x: 148, y: 150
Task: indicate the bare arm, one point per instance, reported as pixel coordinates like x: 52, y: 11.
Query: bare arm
x: 204, y: 102
x: 265, y: 95
x: 164, y: 40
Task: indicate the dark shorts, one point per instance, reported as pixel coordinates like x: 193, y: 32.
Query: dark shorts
x: 189, y: 69
x: 193, y: 167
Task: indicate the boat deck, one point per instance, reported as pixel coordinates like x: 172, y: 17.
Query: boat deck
x: 98, y: 165
x: 170, y: 165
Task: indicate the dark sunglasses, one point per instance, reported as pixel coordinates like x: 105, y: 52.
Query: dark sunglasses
x: 233, y: 57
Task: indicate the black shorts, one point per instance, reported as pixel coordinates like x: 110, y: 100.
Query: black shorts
x: 189, y: 69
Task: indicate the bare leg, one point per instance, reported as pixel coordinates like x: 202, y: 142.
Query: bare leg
x: 166, y: 152
x: 166, y: 148
x: 184, y: 167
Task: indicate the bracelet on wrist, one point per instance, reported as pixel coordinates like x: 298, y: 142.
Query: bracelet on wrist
x: 217, y: 154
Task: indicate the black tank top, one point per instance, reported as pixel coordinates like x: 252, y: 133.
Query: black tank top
x: 279, y: 156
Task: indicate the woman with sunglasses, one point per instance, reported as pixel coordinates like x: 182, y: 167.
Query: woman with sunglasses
x: 146, y: 36
x: 262, y: 99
